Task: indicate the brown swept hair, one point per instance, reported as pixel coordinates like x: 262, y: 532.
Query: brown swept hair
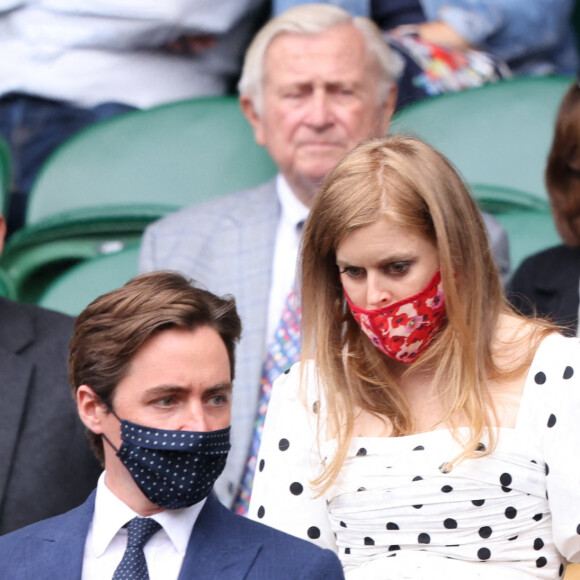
x: 415, y: 187
x: 110, y: 331
x: 563, y: 168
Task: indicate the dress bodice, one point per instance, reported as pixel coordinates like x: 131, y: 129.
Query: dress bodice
x: 403, y: 505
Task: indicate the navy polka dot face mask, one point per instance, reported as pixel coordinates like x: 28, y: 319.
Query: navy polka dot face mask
x: 174, y: 469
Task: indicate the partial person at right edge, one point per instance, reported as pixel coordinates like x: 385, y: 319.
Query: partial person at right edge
x: 548, y: 282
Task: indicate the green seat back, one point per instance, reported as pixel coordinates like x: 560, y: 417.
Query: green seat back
x: 76, y: 288
x: 7, y: 289
x: 168, y: 156
x: 497, y: 134
x: 526, y: 218
x: 105, y: 184
x: 529, y: 231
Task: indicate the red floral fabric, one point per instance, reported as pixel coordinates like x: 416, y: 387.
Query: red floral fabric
x: 403, y: 330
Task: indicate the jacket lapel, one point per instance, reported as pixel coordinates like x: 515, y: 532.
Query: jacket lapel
x: 59, y: 544
x: 214, y: 553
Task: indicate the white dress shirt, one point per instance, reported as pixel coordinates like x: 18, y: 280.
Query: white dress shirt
x: 107, y: 539
x: 285, y: 252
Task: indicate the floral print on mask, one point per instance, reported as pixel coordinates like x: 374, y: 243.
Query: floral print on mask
x: 403, y: 330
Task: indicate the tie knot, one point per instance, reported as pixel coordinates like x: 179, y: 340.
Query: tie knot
x: 140, y: 530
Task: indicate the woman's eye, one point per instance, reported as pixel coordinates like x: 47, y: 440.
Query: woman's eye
x: 351, y: 271
x: 398, y: 268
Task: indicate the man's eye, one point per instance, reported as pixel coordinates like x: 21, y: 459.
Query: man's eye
x: 165, y: 401
x: 293, y: 94
x: 218, y: 400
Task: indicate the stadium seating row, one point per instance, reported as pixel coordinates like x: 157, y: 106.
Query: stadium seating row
x: 99, y: 190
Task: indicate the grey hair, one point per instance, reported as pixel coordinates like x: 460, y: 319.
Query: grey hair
x: 316, y: 19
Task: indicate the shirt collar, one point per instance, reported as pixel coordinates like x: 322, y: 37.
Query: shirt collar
x: 293, y: 210
x: 111, y: 514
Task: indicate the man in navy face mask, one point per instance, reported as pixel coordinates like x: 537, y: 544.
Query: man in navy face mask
x: 151, y: 366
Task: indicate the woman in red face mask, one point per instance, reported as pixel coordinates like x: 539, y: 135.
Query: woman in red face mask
x: 430, y: 432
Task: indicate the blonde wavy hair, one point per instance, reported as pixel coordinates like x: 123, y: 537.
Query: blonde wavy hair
x: 415, y: 187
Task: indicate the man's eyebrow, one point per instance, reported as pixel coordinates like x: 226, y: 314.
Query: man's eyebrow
x: 165, y: 389
x: 219, y: 387
x: 160, y: 390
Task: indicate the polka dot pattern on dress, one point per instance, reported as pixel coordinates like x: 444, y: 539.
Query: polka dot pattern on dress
x: 407, y: 494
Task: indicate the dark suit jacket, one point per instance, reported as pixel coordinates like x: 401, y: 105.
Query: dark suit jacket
x: 547, y: 283
x: 46, y: 465
x: 222, y: 546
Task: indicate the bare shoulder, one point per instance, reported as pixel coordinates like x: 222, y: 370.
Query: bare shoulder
x: 515, y: 344
x: 516, y: 341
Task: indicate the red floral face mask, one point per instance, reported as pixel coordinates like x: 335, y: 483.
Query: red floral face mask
x: 403, y: 330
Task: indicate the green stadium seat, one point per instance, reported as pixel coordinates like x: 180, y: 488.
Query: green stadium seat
x: 104, y: 185
x: 76, y: 288
x: 526, y: 218
x: 498, y: 134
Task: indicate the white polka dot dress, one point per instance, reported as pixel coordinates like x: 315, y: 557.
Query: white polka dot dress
x: 398, y: 511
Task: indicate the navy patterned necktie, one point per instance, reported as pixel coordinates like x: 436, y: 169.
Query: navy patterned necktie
x: 133, y: 565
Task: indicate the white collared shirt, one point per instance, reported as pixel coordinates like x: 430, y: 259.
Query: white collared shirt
x: 107, y: 539
x: 285, y: 252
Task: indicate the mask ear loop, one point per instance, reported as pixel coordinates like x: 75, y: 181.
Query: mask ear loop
x: 103, y: 436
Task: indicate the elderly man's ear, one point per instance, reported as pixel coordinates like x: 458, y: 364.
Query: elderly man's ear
x: 255, y: 120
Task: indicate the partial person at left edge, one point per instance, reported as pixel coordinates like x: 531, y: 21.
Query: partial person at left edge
x: 151, y: 366
x: 46, y: 465
x: 67, y: 65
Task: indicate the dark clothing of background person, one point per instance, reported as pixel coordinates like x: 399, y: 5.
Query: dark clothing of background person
x: 546, y: 284
x: 46, y: 464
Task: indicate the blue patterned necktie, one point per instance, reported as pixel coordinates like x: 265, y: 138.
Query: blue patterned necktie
x: 133, y: 565
x: 283, y: 352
